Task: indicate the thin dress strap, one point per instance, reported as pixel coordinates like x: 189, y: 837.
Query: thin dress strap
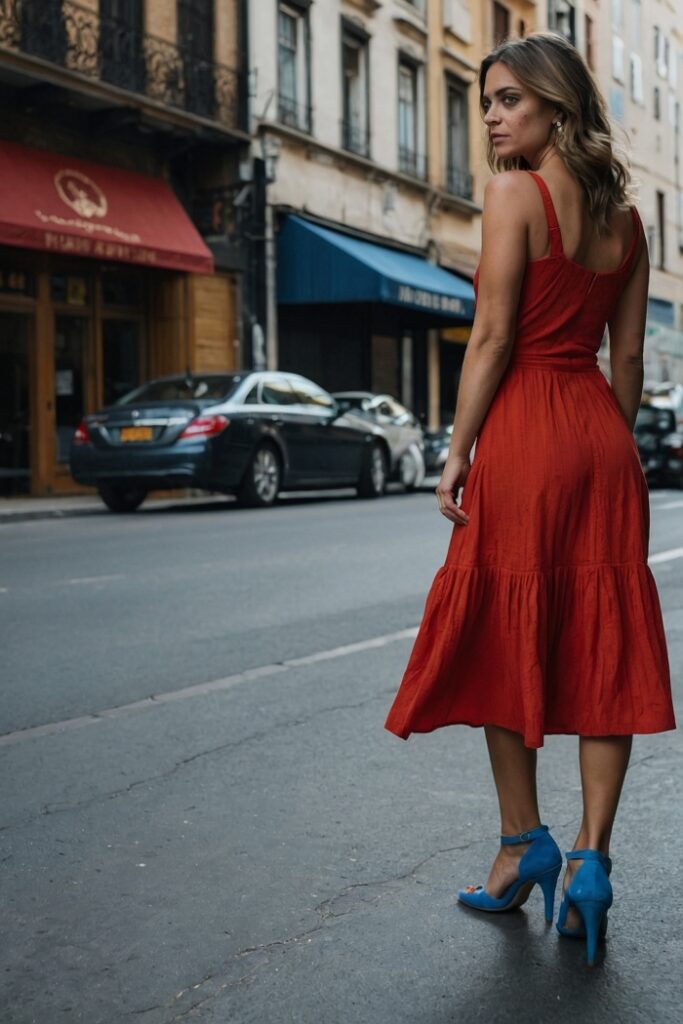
x: 554, y: 232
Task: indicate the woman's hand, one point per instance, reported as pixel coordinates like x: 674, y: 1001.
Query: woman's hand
x: 454, y: 475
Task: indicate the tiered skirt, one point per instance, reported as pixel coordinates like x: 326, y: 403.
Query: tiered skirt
x: 545, y: 617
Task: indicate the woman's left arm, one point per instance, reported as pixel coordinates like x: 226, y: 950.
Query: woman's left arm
x: 501, y: 272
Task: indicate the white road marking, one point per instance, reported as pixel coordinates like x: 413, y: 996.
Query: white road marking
x: 95, y: 579
x: 226, y: 683
x: 665, y: 556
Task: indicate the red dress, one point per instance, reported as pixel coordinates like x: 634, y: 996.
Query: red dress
x: 545, y: 616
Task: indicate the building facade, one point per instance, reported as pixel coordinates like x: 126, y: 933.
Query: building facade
x: 122, y: 127
x: 347, y: 106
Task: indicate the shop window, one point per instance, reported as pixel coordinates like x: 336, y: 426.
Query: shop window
x: 120, y: 358
x: 121, y: 289
x: 14, y: 281
x: 71, y: 289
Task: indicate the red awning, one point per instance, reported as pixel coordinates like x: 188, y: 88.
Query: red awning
x: 54, y: 202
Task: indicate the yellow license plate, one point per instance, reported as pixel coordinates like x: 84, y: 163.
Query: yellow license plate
x: 136, y: 434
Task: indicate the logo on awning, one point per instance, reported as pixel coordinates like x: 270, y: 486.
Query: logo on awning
x: 80, y: 193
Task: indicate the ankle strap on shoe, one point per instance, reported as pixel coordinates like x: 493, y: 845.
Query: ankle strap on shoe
x: 590, y: 855
x: 524, y: 837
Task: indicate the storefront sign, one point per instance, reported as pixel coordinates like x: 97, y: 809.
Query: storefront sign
x: 86, y: 209
x: 430, y: 300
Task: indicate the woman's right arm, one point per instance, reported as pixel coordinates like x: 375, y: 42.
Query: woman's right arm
x: 626, y: 339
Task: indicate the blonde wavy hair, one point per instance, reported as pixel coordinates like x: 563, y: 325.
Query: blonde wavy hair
x: 548, y: 64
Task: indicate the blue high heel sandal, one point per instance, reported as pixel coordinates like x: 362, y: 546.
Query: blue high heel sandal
x: 590, y: 891
x: 539, y: 865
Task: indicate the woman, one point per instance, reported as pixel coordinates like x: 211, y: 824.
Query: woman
x: 545, y: 617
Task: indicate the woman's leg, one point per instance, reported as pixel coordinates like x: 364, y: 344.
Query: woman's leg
x: 514, y: 773
x: 603, y: 761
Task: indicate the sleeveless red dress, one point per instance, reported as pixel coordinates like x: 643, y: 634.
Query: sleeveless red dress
x: 545, y: 617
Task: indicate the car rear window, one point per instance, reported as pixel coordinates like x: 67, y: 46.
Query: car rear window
x: 178, y: 389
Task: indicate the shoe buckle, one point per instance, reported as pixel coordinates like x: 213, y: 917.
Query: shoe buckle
x: 525, y: 837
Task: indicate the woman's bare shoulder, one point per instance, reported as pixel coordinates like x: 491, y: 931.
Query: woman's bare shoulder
x: 513, y: 192
x: 508, y: 184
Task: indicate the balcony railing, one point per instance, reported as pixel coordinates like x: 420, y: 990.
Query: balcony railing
x: 81, y: 40
x: 293, y: 114
x: 459, y: 182
x: 355, y: 137
x: 412, y: 163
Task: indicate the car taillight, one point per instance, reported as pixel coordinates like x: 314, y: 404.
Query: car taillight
x: 81, y: 436
x: 205, y: 426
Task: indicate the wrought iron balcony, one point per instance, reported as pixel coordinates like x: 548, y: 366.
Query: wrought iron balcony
x: 83, y: 41
x: 412, y: 163
x: 356, y: 137
x: 293, y: 114
x: 459, y: 182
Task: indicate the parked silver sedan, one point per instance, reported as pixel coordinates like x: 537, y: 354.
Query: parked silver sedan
x: 400, y: 427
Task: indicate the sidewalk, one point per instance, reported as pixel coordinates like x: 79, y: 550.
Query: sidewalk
x: 59, y: 507
x: 17, y: 510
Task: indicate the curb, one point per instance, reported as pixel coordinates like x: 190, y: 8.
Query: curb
x: 28, y: 515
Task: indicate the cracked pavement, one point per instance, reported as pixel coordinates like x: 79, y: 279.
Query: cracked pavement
x: 267, y: 853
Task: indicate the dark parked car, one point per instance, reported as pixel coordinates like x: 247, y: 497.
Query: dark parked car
x: 660, y: 445
x: 250, y: 434
x: 436, y: 448
x: 398, y: 425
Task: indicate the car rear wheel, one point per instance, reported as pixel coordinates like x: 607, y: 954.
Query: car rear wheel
x: 261, y: 483
x: 121, y: 497
x: 409, y: 470
x: 373, y: 479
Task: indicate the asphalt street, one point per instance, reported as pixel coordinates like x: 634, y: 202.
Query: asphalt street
x: 202, y: 817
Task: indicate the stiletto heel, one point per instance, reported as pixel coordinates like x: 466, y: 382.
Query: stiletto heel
x: 539, y: 865
x: 548, y: 884
x: 590, y: 892
x: 592, y: 914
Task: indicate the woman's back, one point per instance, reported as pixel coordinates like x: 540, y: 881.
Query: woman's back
x: 566, y: 301
x: 580, y: 242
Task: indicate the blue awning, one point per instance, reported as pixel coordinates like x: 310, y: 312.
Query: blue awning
x: 318, y: 265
